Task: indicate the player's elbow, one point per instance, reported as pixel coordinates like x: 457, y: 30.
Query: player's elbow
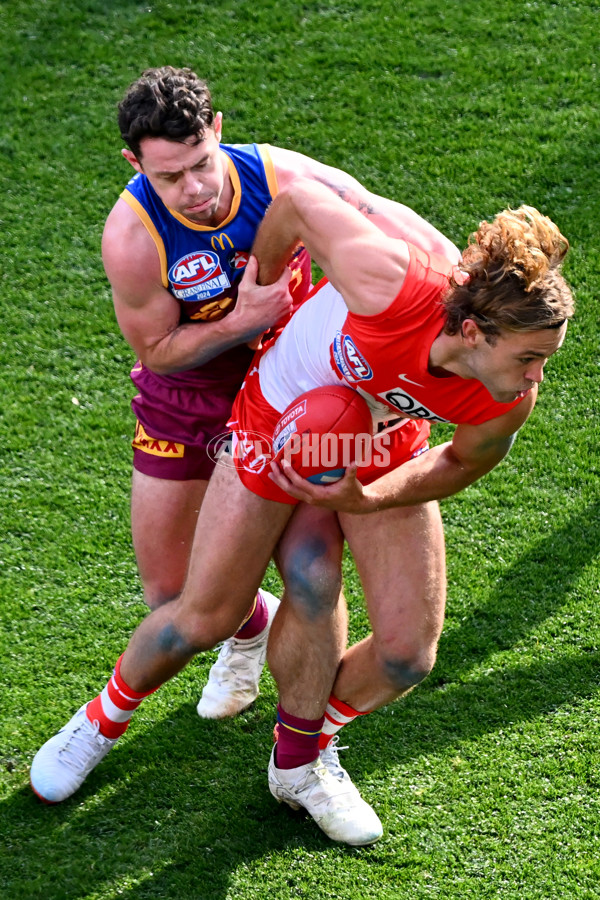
x: 156, y: 366
x: 159, y: 359
x: 472, y: 467
x: 496, y: 451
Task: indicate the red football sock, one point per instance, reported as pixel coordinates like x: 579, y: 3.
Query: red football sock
x: 255, y: 621
x: 337, y: 714
x: 297, y: 740
x: 115, y: 705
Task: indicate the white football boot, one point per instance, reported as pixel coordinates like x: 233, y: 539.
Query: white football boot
x: 331, y: 761
x: 61, y: 766
x: 233, y: 679
x: 329, y: 797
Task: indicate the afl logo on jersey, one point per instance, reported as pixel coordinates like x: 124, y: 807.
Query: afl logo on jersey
x: 349, y: 360
x: 198, y: 276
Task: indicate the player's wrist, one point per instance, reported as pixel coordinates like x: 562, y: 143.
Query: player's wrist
x: 233, y: 329
x: 374, y: 499
x: 368, y: 501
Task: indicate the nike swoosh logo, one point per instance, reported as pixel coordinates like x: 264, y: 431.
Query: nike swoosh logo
x: 406, y: 378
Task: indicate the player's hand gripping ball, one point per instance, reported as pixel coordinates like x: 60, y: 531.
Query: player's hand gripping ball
x: 322, y: 432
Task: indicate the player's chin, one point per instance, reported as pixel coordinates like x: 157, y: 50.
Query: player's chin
x: 507, y: 396
x: 198, y: 218
x: 201, y: 212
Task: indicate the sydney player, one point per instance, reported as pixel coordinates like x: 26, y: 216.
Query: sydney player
x: 462, y: 343
x: 434, y: 341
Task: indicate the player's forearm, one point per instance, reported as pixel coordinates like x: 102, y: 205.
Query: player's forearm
x: 192, y: 345
x: 392, y: 218
x: 434, y: 475
x: 276, y: 239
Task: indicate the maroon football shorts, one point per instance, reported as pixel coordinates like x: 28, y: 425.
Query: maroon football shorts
x: 180, y: 418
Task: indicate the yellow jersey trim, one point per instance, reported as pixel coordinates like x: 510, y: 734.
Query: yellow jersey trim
x: 265, y: 155
x: 139, y: 210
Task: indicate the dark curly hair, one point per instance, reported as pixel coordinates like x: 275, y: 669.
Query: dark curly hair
x: 513, y: 280
x: 165, y: 102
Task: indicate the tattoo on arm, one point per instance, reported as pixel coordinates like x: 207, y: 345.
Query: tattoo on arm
x: 499, y: 446
x: 346, y: 194
x: 367, y: 209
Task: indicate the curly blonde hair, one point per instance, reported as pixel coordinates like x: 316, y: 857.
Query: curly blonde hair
x: 513, y: 280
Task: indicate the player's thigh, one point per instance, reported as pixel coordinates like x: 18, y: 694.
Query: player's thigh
x: 400, y: 559
x: 236, y: 534
x: 309, y: 558
x: 163, y: 520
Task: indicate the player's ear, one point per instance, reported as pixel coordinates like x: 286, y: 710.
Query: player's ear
x: 132, y: 159
x: 218, y: 125
x: 471, y: 333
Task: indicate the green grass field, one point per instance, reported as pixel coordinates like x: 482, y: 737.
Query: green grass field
x: 487, y: 776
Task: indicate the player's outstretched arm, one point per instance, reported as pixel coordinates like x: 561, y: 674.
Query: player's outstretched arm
x: 394, y: 219
x: 441, y: 472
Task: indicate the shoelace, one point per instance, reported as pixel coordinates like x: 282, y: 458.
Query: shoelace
x: 320, y: 790
x: 78, y: 751
x: 331, y: 759
x: 320, y: 771
x: 245, y: 658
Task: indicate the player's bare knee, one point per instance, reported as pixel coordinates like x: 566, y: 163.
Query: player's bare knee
x: 406, y: 670
x: 310, y: 564
x: 314, y: 590
x: 200, y: 631
x: 172, y: 642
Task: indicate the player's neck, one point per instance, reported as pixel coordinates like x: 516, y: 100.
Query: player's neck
x: 227, y: 194
x: 447, y: 356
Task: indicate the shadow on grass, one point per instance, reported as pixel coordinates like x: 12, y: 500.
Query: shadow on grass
x: 171, y: 812
x: 460, y: 700
x: 179, y: 808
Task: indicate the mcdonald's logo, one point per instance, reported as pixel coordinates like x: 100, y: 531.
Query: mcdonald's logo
x: 218, y: 240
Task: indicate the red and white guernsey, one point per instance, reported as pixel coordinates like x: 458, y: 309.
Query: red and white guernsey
x: 384, y: 357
